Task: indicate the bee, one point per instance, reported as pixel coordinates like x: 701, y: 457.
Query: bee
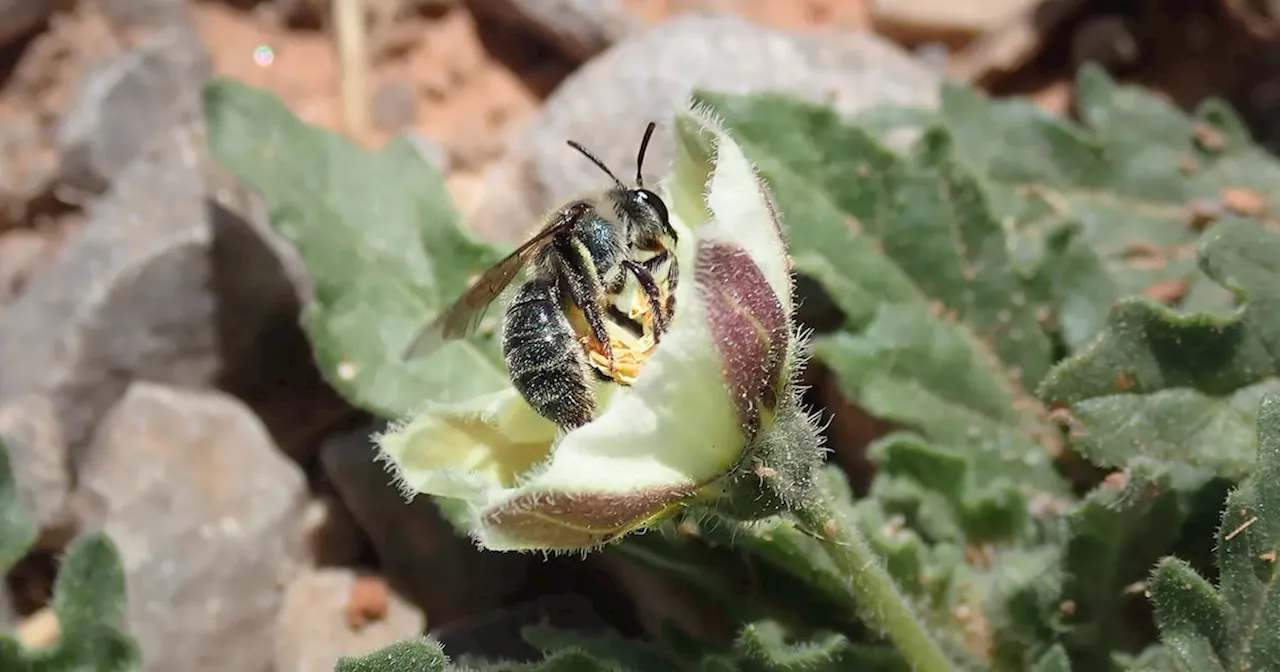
x: 583, y: 256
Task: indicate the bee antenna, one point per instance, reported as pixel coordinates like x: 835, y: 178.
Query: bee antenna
x: 596, y: 161
x: 644, y: 144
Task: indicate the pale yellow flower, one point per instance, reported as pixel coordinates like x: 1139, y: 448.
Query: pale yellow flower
x: 708, y: 393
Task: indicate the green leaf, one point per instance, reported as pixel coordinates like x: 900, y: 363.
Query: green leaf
x: 988, y: 570
x: 761, y: 645
x: 380, y: 240
x: 17, y: 530
x: 410, y: 655
x: 1055, y: 660
x: 977, y: 611
x: 566, y: 653
x: 89, y: 600
x: 1154, y: 658
x: 767, y: 646
x: 956, y: 262
x: 942, y: 496
x: 1194, y: 379
x: 1191, y: 614
x: 1237, y: 625
x: 939, y: 332
x: 1116, y: 533
x: 606, y: 650
x: 876, y: 228
x: 1109, y: 202
x: 11, y: 657
x: 90, y: 590
x: 941, y: 335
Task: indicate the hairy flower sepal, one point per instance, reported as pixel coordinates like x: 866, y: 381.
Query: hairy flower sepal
x: 713, y: 411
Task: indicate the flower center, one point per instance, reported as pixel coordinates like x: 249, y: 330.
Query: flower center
x: 630, y: 325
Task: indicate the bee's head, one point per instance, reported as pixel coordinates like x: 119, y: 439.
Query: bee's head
x: 646, y: 217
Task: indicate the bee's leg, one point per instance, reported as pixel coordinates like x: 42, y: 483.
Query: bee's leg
x: 651, y: 292
x: 673, y: 278
x: 584, y: 288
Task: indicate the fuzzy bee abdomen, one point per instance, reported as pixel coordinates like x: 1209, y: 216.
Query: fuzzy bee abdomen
x: 547, y: 365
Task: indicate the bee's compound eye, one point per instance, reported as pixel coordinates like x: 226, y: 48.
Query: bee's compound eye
x: 653, y: 201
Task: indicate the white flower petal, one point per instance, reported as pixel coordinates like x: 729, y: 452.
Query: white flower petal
x: 685, y: 421
x: 744, y: 214
x: 675, y: 426
x: 472, y: 450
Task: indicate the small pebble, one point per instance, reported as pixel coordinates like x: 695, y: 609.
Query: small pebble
x: 394, y: 106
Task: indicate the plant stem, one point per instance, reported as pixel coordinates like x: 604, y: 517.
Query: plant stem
x: 353, y: 56
x: 877, y: 598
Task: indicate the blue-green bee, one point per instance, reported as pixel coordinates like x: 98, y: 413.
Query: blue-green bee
x: 582, y: 257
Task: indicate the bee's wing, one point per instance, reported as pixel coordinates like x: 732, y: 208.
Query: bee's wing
x: 461, y: 319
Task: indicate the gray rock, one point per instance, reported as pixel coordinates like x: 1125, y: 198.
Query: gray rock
x: 38, y: 455
x: 474, y: 146
x: 22, y: 253
x: 435, y: 154
x: 122, y: 102
x: 173, y: 278
x: 437, y: 568
x: 934, y: 55
x: 130, y: 297
x: 312, y: 631
x: 394, y: 106
x: 261, y: 281
x: 606, y: 103
x: 26, y: 170
x: 206, y: 513
x: 579, y: 28
x: 18, y: 17
x: 126, y: 14
x: 260, y: 265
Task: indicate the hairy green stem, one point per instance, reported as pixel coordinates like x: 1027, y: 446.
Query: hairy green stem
x: 877, y: 598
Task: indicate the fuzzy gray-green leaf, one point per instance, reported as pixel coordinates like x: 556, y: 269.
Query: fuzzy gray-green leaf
x: 928, y: 510
x: 380, y: 240
x: 1194, y: 379
x: 767, y: 646
x: 1116, y: 533
x: 410, y: 655
x: 1237, y: 626
x: 1129, y: 182
x: 920, y: 536
x: 17, y: 529
x: 1055, y: 660
x: 1191, y: 614
x: 939, y: 333
x: 89, y: 600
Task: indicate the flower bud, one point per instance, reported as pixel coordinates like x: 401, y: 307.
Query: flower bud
x: 711, y: 419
